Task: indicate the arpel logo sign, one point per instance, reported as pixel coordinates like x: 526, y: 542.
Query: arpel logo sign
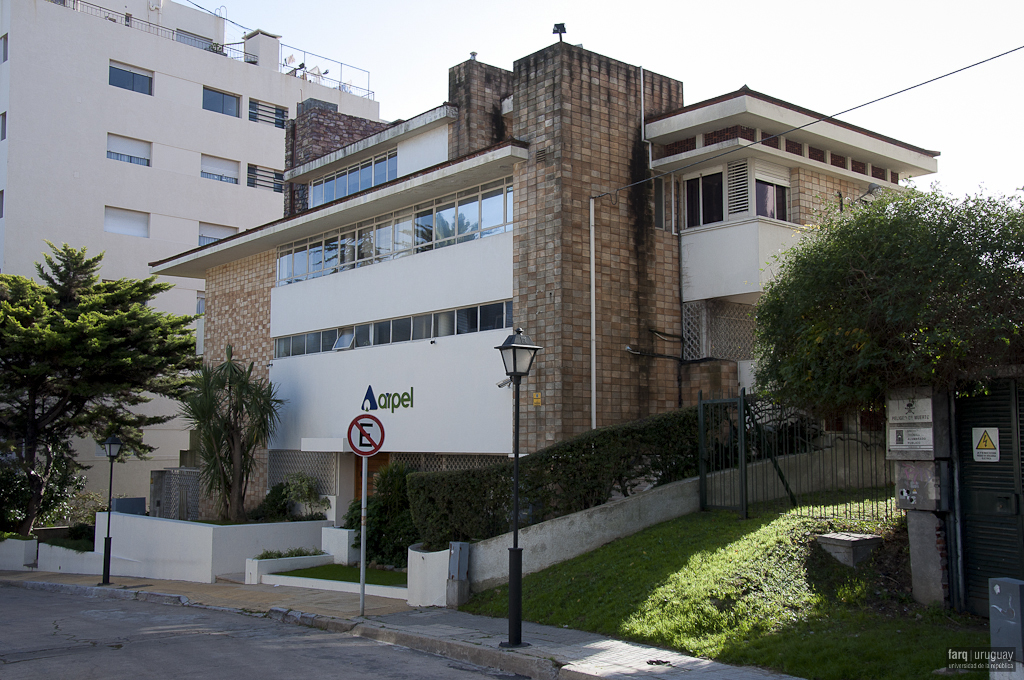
x: 387, y: 401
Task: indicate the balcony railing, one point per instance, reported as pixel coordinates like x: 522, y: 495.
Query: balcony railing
x: 154, y: 29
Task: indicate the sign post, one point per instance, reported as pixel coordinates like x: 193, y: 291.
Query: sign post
x: 365, y: 436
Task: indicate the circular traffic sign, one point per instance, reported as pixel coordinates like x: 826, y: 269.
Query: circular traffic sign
x: 365, y: 435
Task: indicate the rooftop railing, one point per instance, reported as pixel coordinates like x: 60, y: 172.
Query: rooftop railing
x: 128, y: 20
x: 324, y: 71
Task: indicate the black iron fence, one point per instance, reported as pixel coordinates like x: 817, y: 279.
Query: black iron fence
x: 754, y: 451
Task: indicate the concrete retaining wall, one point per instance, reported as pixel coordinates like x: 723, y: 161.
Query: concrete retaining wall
x: 16, y: 554
x: 428, y: 577
x: 256, y: 569
x: 340, y: 543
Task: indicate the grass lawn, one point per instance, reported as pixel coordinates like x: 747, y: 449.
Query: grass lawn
x: 756, y: 592
x: 339, y: 572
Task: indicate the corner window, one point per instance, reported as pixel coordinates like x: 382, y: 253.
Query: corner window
x: 771, y: 200
x: 704, y: 200
x: 131, y: 78
x: 220, y: 102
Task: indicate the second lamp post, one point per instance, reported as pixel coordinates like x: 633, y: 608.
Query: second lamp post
x: 518, y: 353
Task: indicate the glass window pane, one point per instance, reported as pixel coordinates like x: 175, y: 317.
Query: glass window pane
x: 421, y: 326
x: 382, y: 333
x: 424, y: 230
x: 693, y: 202
x: 327, y: 340
x: 365, y: 175
x: 345, y: 339
x: 230, y: 105
x: 353, y: 180
x: 469, y: 219
x: 492, y: 213
x: 300, y: 262
x: 364, y: 244
x: 401, y: 329
x: 444, y: 324
x: 380, y: 171
x: 404, y: 235
x: 316, y: 196
x: 121, y: 78
x: 316, y: 256
x: 331, y: 253
x: 382, y: 240
x: 141, y: 83
x: 765, y: 198
x: 329, y: 190
x: 348, y: 249
x: 284, y: 266
x: 466, y: 320
x: 444, y: 223
x: 211, y: 100
x: 298, y: 345
x: 780, y: 203
x: 283, y: 347
x: 392, y: 165
x: 714, y: 201
x: 341, y: 186
x: 510, y: 212
x: 492, y: 316
x: 362, y: 335
x: 312, y: 343
x: 508, y: 314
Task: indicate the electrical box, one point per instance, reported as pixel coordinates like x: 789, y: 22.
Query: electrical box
x: 1005, y: 616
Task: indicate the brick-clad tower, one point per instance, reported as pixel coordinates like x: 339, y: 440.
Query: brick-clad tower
x: 477, y: 89
x: 581, y: 114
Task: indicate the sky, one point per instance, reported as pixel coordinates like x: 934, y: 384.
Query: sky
x: 808, y: 53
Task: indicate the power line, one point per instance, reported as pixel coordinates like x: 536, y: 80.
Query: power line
x: 818, y: 120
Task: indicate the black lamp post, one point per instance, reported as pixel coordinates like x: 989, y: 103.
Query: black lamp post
x: 518, y: 353
x: 112, y: 445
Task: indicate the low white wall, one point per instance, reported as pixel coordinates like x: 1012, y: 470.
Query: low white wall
x: 254, y: 569
x: 428, y: 577
x: 341, y: 543
x: 563, y: 538
x: 395, y: 592
x: 16, y: 554
x: 232, y: 545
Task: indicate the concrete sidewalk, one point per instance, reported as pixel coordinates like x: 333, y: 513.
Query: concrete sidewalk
x: 553, y: 653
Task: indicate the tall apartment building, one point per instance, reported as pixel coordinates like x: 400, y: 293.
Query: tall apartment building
x: 137, y: 132
x: 575, y: 196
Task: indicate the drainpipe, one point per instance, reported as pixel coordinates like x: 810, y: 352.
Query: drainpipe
x: 593, y: 325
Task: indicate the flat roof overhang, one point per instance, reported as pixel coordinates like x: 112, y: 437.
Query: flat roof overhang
x: 775, y: 117
x: 479, y: 168
x: 365, y: 148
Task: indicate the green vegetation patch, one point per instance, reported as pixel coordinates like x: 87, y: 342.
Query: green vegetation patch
x: 339, y: 572
x: 81, y: 545
x: 751, y: 592
x: 291, y: 552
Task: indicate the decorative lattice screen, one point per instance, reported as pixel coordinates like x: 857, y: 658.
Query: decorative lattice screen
x: 694, y: 321
x: 434, y: 462
x: 181, y: 483
x: 320, y: 464
x: 731, y: 330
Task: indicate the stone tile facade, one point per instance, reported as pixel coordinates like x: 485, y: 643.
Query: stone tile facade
x: 810, y: 191
x: 477, y: 89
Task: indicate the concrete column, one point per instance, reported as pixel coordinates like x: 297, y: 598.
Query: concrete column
x: 930, y: 578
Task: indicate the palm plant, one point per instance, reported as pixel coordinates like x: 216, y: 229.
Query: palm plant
x: 233, y: 413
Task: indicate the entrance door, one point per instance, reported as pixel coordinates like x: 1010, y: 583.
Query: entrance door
x: 992, y: 527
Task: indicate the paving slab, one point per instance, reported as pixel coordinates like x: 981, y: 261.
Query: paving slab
x: 552, y: 653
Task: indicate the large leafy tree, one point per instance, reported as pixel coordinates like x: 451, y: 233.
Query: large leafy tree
x: 77, y: 357
x: 913, y: 289
x: 233, y: 413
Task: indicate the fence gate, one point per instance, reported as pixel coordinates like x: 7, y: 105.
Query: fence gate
x: 723, y: 460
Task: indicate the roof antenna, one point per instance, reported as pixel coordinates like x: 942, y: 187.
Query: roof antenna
x: 472, y: 56
x: 559, y: 30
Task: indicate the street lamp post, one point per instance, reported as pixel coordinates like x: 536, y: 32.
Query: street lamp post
x: 518, y: 353
x: 112, y: 446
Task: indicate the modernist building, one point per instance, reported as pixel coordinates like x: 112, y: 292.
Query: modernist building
x: 575, y: 196
x: 136, y: 132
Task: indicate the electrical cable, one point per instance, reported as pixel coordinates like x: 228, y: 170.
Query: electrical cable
x: 818, y: 120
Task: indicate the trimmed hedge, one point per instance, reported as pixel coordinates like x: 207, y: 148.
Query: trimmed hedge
x: 567, y: 477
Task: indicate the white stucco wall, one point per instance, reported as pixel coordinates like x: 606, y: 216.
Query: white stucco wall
x: 423, y: 151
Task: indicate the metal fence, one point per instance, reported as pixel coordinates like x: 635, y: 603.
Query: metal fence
x: 754, y: 451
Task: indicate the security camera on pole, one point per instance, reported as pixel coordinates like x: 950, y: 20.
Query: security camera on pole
x: 366, y: 437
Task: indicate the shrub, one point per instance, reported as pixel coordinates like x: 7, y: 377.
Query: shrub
x: 389, y: 526
x: 567, y: 477
x: 273, y: 507
x: 291, y: 552
x: 301, y: 487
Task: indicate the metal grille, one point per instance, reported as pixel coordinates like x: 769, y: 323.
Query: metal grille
x: 265, y: 178
x: 322, y: 465
x: 739, y: 200
x: 435, y: 462
x: 731, y: 330
x: 694, y: 322
x: 261, y: 112
x: 181, y: 483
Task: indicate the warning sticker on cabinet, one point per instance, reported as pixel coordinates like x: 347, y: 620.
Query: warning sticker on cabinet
x: 985, y: 441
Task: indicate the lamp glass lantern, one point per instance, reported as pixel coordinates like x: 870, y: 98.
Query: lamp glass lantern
x: 518, y: 353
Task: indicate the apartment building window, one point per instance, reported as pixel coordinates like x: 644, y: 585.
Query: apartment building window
x: 3, y: 126
x: 1, y: 203
x: 200, y: 302
x: 262, y: 112
x: 472, y: 319
x: 126, y: 222
x: 771, y: 200
x: 265, y: 178
x: 355, y: 178
x: 476, y: 213
x: 220, y: 169
x: 128, y: 150
x: 211, y: 233
x: 220, y: 102
x: 3, y: 48
x: 131, y: 78
x: 704, y: 200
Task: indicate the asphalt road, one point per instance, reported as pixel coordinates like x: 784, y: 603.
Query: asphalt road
x: 56, y: 636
